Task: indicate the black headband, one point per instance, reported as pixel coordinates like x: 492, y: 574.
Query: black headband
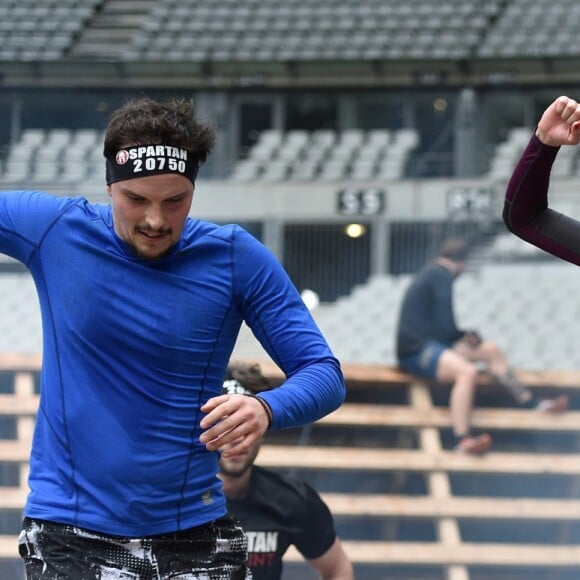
x: 145, y: 160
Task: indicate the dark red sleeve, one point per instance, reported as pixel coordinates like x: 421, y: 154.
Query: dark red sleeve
x: 526, y: 212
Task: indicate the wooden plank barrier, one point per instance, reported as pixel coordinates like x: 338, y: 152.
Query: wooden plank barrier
x: 425, y: 457
x: 435, y: 554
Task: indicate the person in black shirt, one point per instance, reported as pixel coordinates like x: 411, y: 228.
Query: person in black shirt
x: 277, y: 511
x: 430, y: 345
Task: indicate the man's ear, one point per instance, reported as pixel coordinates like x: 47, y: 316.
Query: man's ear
x: 109, y: 190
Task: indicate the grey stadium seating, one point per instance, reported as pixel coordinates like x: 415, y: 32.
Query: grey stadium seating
x: 328, y: 155
x: 295, y: 30
x: 305, y: 31
x: 37, y: 31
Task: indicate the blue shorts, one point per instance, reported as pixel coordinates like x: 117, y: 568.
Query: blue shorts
x: 424, y: 362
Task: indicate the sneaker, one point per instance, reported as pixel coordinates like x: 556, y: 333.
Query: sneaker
x: 557, y: 405
x: 475, y: 445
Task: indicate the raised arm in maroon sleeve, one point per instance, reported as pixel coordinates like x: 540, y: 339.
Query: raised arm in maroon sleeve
x: 526, y: 212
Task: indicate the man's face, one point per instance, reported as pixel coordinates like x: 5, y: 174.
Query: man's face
x: 239, y: 464
x: 149, y: 212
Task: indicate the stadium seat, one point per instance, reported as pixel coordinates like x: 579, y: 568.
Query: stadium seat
x: 506, y: 154
x: 275, y: 170
x: 246, y: 170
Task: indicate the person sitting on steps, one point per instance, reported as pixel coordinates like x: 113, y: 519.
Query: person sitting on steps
x: 430, y: 345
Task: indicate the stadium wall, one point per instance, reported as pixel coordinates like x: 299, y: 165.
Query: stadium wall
x: 405, y: 200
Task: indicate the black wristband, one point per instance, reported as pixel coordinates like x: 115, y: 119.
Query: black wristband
x: 267, y: 408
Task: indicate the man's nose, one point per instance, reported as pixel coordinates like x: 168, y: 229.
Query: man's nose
x: 154, y: 217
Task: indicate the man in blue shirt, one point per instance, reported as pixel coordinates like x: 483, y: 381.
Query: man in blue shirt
x: 141, y: 307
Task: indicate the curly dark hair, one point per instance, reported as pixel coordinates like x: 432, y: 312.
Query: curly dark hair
x: 249, y: 375
x: 145, y: 121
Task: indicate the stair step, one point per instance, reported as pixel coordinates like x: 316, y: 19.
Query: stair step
x: 128, y: 7
x: 98, y: 50
x: 106, y: 36
x: 117, y: 21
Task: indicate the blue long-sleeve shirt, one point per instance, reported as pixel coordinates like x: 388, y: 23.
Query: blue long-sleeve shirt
x: 131, y: 351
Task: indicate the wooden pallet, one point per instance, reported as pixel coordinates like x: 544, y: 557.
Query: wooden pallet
x: 426, y: 458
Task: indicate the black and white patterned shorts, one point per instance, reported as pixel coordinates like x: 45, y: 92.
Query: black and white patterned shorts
x: 214, y: 551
